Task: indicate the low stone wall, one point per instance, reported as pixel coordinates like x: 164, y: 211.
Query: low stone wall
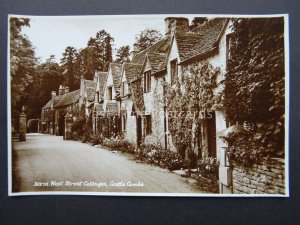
x: 266, y: 178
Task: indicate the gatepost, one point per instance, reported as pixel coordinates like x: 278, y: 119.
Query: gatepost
x: 225, y: 170
x: 22, y: 127
x: 68, y: 127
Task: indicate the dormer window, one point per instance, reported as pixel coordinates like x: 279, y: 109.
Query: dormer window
x: 174, y: 70
x: 147, y: 81
x: 109, y: 93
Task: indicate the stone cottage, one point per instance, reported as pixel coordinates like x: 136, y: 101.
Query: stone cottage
x: 98, y: 111
x: 130, y: 73
x: 110, y: 124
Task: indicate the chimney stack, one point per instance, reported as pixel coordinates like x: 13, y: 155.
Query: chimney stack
x: 61, y: 90
x: 134, y: 51
x: 67, y: 90
x: 176, y: 25
x: 53, y: 94
x: 96, y: 76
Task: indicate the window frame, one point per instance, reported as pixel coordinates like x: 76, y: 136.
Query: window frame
x: 147, y: 81
x: 173, y: 70
x: 109, y: 93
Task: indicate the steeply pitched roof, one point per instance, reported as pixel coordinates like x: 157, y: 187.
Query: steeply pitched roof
x: 201, y: 40
x: 89, y: 83
x: 54, y: 100
x: 157, y: 61
x: 132, y: 71
x: 116, y: 75
x: 69, y: 98
x: 89, y: 87
x: 161, y: 46
x: 102, y: 76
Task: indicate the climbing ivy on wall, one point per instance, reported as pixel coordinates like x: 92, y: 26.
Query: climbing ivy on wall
x: 137, y: 96
x: 189, y: 102
x: 254, y: 88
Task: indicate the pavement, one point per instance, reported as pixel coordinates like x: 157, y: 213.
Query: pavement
x: 49, y: 163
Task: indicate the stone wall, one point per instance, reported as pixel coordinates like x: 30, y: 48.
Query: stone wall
x: 266, y: 178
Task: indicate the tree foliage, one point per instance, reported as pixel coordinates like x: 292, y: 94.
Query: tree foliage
x: 146, y: 38
x: 123, y: 54
x: 22, y: 60
x: 100, y: 50
x: 254, y: 83
x: 69, y: 67
x: 197, y: 21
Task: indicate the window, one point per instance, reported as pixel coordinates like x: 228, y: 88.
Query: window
x: 129, y: 88
x: 228, y: 46
x: 147, y: 81
x: 109, y: 93
x: 124, y: 122
x: 148, y: 124
x: 174, y: 70
x: 123, y: 88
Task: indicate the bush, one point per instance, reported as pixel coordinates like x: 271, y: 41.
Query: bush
x: 78, y: 128
x: 208, y: 167
x: 119, y: 143
x: 158, y: 155
x: 96, y: 139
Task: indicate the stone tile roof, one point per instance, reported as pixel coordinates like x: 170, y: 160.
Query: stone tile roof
x: 68, y: 99
x: 112, y: 108
x: 116, y: 75
x: 48, y: 104
x: 89, y: 83
x: 157, y: 61
x: 161, y: 46
x: 102, y: 77
x: 132, y: 71
x: 201, y: 40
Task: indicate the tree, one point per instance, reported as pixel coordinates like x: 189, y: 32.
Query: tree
x: 48, y: 78
x: 100, y: 50
x: 85, y: 63
x: 68, y: 66
x: 22, y: 61
x: 254, y: 83
x: 197, y: 21
x: 147, y: 37
x: 123, y: 54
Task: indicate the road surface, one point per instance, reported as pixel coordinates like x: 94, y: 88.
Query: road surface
x: 49, y: 163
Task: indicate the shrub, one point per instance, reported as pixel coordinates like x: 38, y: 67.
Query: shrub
x: 158, y: 155
x: 118, y: 143
x: 208, y: 167
x: 78, y: 128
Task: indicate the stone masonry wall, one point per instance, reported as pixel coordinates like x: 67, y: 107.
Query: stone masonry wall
x: 266, y: 178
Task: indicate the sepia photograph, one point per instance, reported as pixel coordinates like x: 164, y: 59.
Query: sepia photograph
x: 148, y: 105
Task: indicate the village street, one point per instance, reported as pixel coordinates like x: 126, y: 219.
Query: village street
x: 48, y: 163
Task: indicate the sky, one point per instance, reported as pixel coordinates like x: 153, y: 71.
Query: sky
x: 50, y: 35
